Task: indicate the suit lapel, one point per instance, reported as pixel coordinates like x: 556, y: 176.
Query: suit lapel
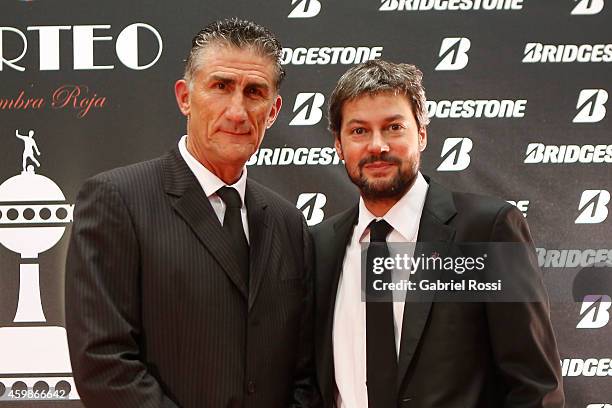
x: 260, y: 238
x: 191, y: 204
x: 438, y: 210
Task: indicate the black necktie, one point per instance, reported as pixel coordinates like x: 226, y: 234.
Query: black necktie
x: 232, y: 223
x: 381, y: 355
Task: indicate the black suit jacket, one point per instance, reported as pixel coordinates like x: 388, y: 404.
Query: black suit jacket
x: 157, y: 313
x: 453, y: 355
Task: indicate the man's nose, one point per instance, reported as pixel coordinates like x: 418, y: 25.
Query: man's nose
x: 377, y: 144
x: 236, y: 111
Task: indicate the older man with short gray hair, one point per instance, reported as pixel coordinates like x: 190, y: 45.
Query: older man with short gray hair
x: 188, y: 284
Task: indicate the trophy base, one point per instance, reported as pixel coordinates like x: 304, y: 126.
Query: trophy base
x: 60, y: 388
x: 30, y: 350
x: 35, y: 364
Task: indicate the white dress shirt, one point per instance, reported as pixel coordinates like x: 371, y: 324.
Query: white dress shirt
x: 349, y: 331
x: 211, y: 183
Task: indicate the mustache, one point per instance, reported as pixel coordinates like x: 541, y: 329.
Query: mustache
x: 384, y: 157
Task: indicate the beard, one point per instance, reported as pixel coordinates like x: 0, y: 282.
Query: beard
x: 394, y: 188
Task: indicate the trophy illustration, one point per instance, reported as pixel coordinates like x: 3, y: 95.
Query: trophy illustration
x: 34, y: 360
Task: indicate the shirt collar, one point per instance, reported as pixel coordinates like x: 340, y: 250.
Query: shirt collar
x: 208, y: 180
x: 404, y: 216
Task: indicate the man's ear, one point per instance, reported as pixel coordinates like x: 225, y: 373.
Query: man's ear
x: 181, y: 92
x: 276, y: 107
x: 422, y: 138
x: 338, y: 146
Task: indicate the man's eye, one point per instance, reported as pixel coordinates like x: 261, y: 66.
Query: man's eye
x: 395, y: 127
x: 220, y: 85
x: 252, y: 91
x: 359, y: 131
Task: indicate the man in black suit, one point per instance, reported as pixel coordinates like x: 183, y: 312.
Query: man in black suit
x: 188, y: 284
x: 423, y: 354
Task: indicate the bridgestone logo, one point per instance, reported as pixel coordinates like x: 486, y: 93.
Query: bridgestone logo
x: 587, y: 8
x: 450, y: 5
x: 476, y: 109
x: 591, y: 367
x: 591, y: 106
x: 301, y: 156
x: 537, y: 153
x: 329, y: 55
x: 311, y: 205
x: 453, y: 54
x: 573, y: 258
x: 595, y: 312
x: 308, y: 107
x: 543, y: 53
x: 593, y: 207
x: 305, y: 8
x: 455, y: 154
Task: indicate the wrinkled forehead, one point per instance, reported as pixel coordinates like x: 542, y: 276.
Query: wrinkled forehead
x: 247, y: 59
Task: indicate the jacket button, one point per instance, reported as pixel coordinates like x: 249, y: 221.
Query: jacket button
x: 251, y: 387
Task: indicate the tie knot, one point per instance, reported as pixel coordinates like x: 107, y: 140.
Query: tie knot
x: 230, y: 197
x: 379, y: 231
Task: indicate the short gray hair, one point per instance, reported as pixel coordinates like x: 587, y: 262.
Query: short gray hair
x: 374, y: 77
x: 240, y: 34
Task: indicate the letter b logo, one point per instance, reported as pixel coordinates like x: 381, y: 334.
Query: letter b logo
x: 595, y: 312
x: 388, y: 5
x: 308, y: 107
x: 311, y: 205
x: 593, y: 207
x: 455, y: 154
x: 591, y: 106
x: 588, y: 7
x: 453, y: 52
x: 305, y: 8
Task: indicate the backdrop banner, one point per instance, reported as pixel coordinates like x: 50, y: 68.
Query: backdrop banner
x: 518, y: 93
